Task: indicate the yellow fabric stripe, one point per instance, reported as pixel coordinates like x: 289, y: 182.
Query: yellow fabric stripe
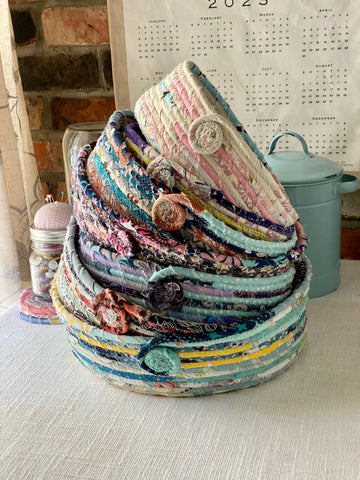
x: 212, y: 353
x: 133, y: 351
x: 250, y: 356
x: 237, y: 226
x: 113, y: 348
x: 138, y: 151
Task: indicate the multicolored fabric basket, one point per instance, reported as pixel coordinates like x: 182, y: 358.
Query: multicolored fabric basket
x: 195, y: 364
x: 186, y: 119
x: 167, y: 300
x: 173, y: 280
x: 119, y: 222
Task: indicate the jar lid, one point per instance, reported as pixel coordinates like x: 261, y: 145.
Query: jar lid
x: 300, y: 167
x: 95, y: 126
x: 53, y: 236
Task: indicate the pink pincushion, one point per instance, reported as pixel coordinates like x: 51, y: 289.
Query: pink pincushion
x: 53, y: 216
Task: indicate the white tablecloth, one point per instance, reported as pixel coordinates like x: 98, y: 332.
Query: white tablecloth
x: 59, y: 421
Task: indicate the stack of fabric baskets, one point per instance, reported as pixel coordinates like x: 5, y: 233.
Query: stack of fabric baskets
x: 183, y: 270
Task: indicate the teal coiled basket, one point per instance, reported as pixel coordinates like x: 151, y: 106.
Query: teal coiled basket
x: 244, y: 355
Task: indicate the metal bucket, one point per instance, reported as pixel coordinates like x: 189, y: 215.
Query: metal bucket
x: 314, y: 185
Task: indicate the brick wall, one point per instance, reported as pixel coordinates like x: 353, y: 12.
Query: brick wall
x: 65, y: 65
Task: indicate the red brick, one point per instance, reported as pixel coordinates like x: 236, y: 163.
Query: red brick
x: 350, y: 243
x: 35, y: 110
x: 65, y: 111
x: 49, y: 156
x: 76, y: 25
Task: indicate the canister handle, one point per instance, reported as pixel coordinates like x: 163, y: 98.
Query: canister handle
x: 293, y: 134
x: 348, y: 184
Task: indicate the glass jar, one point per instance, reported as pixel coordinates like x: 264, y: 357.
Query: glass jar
x: 47, y: 247
x: 76, y: 136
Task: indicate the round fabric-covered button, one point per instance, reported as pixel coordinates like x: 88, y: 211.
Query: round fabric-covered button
x: 161, y: 361
x: 167, y: 214
x: 165, y: 295
x: 205, y: 135
x: 109, y: 307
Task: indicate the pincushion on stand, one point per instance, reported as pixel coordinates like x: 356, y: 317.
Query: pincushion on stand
x: 47, y: 237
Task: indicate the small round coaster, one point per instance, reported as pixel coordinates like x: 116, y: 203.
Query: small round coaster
x: 43, y: 321
x: 36, y: 309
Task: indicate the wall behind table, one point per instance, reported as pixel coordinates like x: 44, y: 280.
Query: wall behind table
x: 65, y: 65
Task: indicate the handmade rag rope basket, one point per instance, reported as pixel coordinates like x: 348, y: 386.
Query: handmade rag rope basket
x: 99, y: 278
x: 194, y: 364
x: 173, y: 281
x: 186, y: 119
x: 112, y: 226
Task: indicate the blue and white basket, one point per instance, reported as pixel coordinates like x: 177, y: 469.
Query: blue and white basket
x: 185, y: 365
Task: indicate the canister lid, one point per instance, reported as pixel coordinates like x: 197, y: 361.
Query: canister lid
x: 302, y: 167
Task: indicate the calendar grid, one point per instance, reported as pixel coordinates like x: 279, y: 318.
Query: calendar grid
x: 296, y: 66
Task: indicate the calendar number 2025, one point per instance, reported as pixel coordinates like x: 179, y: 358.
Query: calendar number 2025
x: 231, y: 3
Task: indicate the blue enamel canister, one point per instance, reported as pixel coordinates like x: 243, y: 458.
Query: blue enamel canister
x: 314, y: 185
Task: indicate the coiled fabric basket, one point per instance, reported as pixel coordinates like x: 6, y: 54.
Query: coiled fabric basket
x: 186, y: 365
x: 186, y: 302
x: 185, y: 118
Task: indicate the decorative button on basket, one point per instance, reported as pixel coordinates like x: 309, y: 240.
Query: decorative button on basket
x: 183, y: 270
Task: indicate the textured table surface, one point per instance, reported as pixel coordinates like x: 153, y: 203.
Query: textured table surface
x: 59, y: 421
